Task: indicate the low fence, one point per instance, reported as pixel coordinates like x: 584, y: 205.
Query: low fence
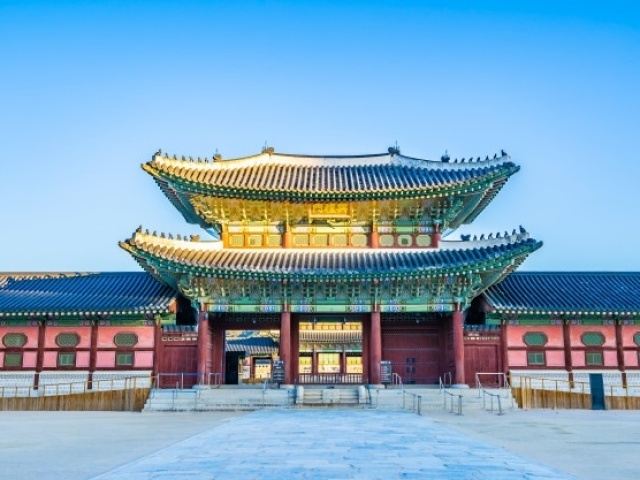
x: 118, y: 395
x: 182, y: 381
x: 533, y: 393
x: 330, y: 378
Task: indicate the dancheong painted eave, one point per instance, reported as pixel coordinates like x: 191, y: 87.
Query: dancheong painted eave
x: 567, y: 293
x: 157, y: 254
x: 304, y: 178
x: 87, y: 293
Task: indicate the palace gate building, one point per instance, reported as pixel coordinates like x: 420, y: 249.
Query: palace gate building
x: 336, y: 264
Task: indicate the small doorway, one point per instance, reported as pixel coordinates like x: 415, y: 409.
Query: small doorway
x: 233, y: 365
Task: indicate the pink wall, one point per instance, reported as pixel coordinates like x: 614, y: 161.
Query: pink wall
x: 82, y: 359
x: 578, y: 359
x: 52, y: 332
x: 518, y: 358
x: 107, y: 334
x: 627, y: 335
x: 553, y: 332
x: 29, y: 359
x: 106, y: 359
x: 30, y: 332
x: 610, y: 358
x: 143, y: 359
x: 631, y: 359
x: 609, y: 333
x: 50, y: 359
x: 555, y: 358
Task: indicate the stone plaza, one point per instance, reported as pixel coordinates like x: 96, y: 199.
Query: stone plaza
x: 319, y: 444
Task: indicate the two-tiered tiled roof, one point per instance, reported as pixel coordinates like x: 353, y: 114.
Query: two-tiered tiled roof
x: 208, y: 258
x: 564, y: 292
x: 299, y: 178
x: 82, y: 293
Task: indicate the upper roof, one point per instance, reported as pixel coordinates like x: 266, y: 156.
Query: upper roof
x: 209, y: 258
x: 60, y: 293
x: 564, y: 292
x: 300, y: 178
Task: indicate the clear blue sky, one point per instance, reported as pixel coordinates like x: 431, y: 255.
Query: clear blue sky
x: 89, y: 90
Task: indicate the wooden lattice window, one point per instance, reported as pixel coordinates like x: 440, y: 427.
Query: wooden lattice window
x: 535, y: 358
x: 594, y: 358
x: 593, y: 339
x: 13, y: 359
x: 125, y: 339
x: 636, y: 339
x: 68, y: 340
x: 14, y: 340
x: 66, y: 359
x: 535, y: 339
x: 124, y: 359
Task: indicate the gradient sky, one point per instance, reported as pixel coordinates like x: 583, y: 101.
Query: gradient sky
x: 89, y: 90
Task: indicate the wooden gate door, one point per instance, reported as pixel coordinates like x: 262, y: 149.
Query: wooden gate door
x: 414, y: 353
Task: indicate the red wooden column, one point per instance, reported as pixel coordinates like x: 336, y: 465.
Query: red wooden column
x: 40, y: 355
x: 566, y: 338
x: 620, y: 352
x: 458, y: 345
x: 203, y: 345
x: 504, y: 337
x: 295, y: 348
x: 285, y: 345
x: 93, y: 353
x: 157, y: 347
x: 218, y: 334
x: 375, y: 349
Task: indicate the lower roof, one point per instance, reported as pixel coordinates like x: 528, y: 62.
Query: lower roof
x: 25, y: 293
x: 563, y: 292
x: 60, y: 293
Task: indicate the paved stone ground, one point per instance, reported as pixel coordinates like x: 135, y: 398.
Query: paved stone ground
x: 80, y: 445
x: 591, y: 445
x: 332, y: 444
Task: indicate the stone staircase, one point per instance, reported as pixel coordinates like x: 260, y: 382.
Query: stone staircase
x: 327, y: 396
x: 248, y: 399
x: 218, y: 399
x: 433, y: 399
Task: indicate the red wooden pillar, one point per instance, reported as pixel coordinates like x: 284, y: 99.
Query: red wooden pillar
x: 40, y: 355
x: 295, y: 348
x: 285, y: 345
x: 203, y: 346
x: 566, y: 336
x: 343, y: 361
x: 157, y: 347
x: 375, y: 349
x: 93, y: 353
x: 218, y: 334
x: 504, y: 337
x: 457, y: 321
x: 620, y: 352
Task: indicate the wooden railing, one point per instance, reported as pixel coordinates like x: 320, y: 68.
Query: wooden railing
x: 330, y: 378
x: 118, y: 394
x: 563, y: 394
